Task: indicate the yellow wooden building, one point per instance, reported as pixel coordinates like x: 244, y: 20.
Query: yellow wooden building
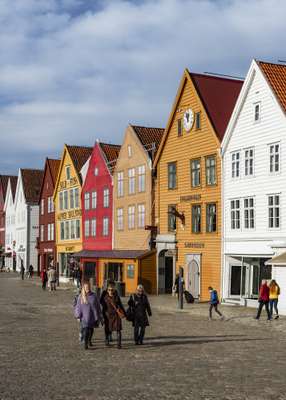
x: 189, y: 183
x: 68, y: 207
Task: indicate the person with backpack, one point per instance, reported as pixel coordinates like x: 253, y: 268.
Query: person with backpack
x: 214, y: 301
x: 140, y: 306
x: 263, y: 300
x: 274, y: 292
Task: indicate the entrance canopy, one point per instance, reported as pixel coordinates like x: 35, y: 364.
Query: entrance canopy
x: 112, y: 253
x: 277, y: 260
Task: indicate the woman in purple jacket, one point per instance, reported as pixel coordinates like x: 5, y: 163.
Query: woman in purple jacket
x: 88, y: 311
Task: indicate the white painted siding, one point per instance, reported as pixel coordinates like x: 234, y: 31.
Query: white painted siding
x: 279, y: 274
x: 34, y: 233
x: 20, y: 225
x: 9, y: 226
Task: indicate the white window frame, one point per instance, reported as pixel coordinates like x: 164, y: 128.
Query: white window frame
x: 257, y: 104
x: 68, y: 172
x: 120, y: 184
x: 248, y: 162
x: 141, y: 178
x: 93, y: 200
x: 87, y: 201
x: 247, y: 211
x: 72, y: 229
x: 235, y: 164
x: 129, y: 149
x: 235, y: 214
x: 120, y: 219
x: 61, y: 201
x: 131, y: 181
x: 105, y: 226
x: 141, y: 215
x: 72, y: 199
x: 274, y: 208
x: 87, y: 228
x: 93, y: 227
x: 42, y: 232
x: 131, y: 217
x: 66, y: 199
x: 76, y: 198
x: 42, y: 206
x: 272, y: 157
x: 106, y: 198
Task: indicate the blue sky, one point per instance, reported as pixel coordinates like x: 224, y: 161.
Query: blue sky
x: 72, y: 71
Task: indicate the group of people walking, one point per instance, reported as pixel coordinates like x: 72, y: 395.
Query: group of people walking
x: 108, y: 310
x: 268, y: 298
x: 49, y: 277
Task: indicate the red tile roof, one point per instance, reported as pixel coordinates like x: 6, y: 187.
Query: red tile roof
x: 218, y: 96
x: 276, y: 76
x: 32, y: 183
x: 149, y: 137
x: 79, y: 155
x: 54, y: 168
x: 4, y: 179
x: 111, y: 152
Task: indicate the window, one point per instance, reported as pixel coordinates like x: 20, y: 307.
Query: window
x: 129, y: 151
x: 49, y: 232
x: 131, y: 181
x: 256, y: 112
x: 71, y: 198
x: 120, y: 184
x: 141, y: 215
x: 95, y: 171
x: 93, y: 227
x: 211, y: 170
x: 42, y: 207
x: 130, y: 271
x: 67, y: 229
x: 274, y: 211
x: 106, y: 198
x: 120, y: 219
x: 248, y: 162
x: 235, y: 164
x: 62, y: 230
x: 66, y: 201
x: 87, y: 201
x: 131, y: 217
x: 141, y: 178
x: 76, y: 198
x: 172, y: 222
x: 77, y: 229
x: 68, y: 172
x: 274, y: 157
x: 42, y: 233
x: 93, y: 200
x: 196, y: 219
x: 50, y: 205
x: 235, y: 214
x: 198, y: 120
x: 172, y: 175
x: 105, y: 226
x: 61, y: 201
x: 196, y: 172
x: 52, y: 232
x: 180, y: 127
x: 72, y: 229
x: 248, y: 213
x: 211, y: 218
x: 86, y: 228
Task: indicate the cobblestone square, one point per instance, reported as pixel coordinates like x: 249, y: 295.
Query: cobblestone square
x: 185, y: 356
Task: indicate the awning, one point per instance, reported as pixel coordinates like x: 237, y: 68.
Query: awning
x: 113, y: 254
x: 277, y: 260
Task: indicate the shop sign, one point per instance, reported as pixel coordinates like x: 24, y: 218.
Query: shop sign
x: 70, y: 214
x: 69, y: 249
x: 191, y: 197
x: 48, y: 250
x: 191, y: 245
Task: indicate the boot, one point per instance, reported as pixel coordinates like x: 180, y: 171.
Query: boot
x: 119, y: 340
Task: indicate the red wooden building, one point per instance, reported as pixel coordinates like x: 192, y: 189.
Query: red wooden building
x: 97, y: 201
x: 47, y: 231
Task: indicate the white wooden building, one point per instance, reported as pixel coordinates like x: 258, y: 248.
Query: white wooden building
x: 10, y: 233
x: 254, y: 185
x: 27, y: 217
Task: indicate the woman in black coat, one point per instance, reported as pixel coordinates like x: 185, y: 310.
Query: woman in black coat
x: 139, y: 303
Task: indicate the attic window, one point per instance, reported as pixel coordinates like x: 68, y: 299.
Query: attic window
x: 129, y: 151
x: 257, y: 107
x: 68, y: 172
x: 95, y: 171
x: 180, y: 127
x: 198, y: 120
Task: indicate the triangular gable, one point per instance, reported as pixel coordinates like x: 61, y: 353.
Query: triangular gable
x: 52, y: 166
x: 8, y: 195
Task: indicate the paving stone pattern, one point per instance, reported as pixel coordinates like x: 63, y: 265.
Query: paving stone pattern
x: 185, y: 356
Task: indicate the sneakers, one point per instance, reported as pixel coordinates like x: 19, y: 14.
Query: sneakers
x: 277, y: 317
x: 222, y: 318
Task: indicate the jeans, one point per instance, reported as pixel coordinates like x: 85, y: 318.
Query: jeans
x: 261, y: 304
x: 273, y: 302
x: 87, y: 336
x: 139, y: 332
x: 216, y: 310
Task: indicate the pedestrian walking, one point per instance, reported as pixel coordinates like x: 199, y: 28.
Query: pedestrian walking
x: 214, y: 302
x: 88, y: 311
x: 114, y: 312
x: 263, y: 300
x: 22, y: 270
x: 140, y: 306
x: 77, y: 277
x: 274, y: 292
x: 31, y: 271
x: 81, y: 335
x: 52, y: 278
x: 44, y: 278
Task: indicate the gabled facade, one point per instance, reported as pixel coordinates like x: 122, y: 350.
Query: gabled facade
x: 254, y: 189
x: 68, y: 207
x: 189, y: 183
x: 27, y: 217
x: 47, y: 241
x: 10, y: 233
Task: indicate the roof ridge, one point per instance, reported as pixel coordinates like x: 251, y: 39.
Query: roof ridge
x: 270, y: 63
x: 146, y: 127
x: 226, y: 78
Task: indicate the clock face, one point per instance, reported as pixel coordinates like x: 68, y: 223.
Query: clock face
x: 188, y: 119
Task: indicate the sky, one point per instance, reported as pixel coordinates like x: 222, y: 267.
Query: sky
x: 73, y: 71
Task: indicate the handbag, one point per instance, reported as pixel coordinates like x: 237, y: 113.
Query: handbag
x: 119, y: 312
x: 130, y: 314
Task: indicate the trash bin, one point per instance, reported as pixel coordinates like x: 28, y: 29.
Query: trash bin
x: 120, y: 287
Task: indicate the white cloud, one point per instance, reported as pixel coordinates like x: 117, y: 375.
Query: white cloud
x: 71, y: 73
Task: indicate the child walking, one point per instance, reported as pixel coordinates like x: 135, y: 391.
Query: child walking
x: 214, y: 301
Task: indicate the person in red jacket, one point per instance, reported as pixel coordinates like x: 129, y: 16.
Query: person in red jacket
x: 44, y: 278
x: 263, y: 300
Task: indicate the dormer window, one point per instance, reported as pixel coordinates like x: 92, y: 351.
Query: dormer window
x: 129, y: 151
x: 68, y: 172
x: 257, y: 109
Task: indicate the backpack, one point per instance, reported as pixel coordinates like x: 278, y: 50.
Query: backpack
x: 214, y: 297
x: 189, y: 297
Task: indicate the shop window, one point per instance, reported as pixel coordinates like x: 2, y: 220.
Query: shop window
x: 130, y: 271
x: 113, y: 271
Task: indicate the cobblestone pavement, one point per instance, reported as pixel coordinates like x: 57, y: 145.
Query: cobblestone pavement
x: 185, y: 356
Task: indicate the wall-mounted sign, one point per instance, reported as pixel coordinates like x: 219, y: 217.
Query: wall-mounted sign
x: 70, y: 214
x: 191, y: 245
x: 191, y: 197
x: 48, y: 250
x: 70, y: 249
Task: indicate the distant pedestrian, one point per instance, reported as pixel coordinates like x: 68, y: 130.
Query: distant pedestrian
x: 44, y: 278
x: 263, y: 300
x: 88, y: 311
x: 214, y: 302
x: 274, y: 292
x: 52, y: 278
x: 77, y: 277
x: 81, y: 336
x: 31, y: 271
x: 113, y: 311
x: 140, y: 306
x: 22, y: 270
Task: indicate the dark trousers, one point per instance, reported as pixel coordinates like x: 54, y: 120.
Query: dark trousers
x: 87, y: 336
x: 108, y: 334
x: 216, y: 310
x: 139, y: 332
x: 261, y: 304
x: 273, y: 302
x: 22, y: 275
x: 44, y: 285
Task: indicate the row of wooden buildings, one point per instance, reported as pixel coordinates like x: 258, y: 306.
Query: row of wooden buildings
x: 205, y: 193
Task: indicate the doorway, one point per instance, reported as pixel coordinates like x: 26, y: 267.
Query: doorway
x: 193, y: 262
x: 166, y: 273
